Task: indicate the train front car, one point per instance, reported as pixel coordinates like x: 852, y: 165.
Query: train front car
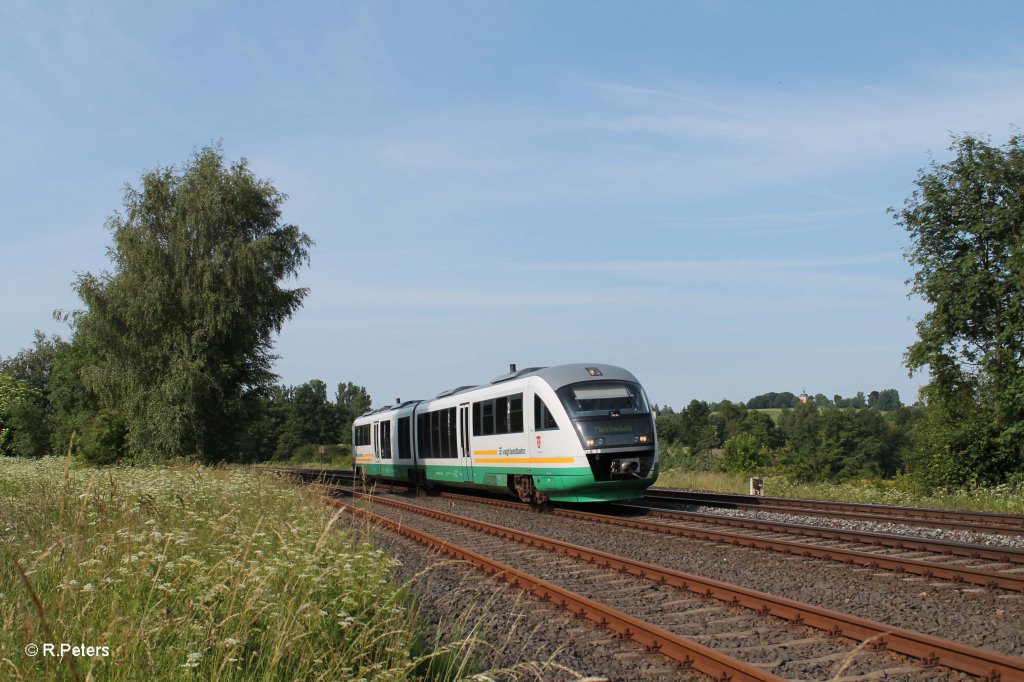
x: 600, y: 416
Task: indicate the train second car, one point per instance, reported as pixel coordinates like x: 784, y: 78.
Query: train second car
x: 570, y: 433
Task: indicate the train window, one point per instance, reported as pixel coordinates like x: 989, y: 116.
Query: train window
x: 515, y: 413
x: 603, y: 396
x: 435, y: 434
x: 500, y: 415
x: 487, y: 408
x: 361, y: 435
x: 385, y: 440
x: 443, y: 430
x: 453, y: 443
x: 423, y: 434
x: 404, y: 438
x: 543, y: 420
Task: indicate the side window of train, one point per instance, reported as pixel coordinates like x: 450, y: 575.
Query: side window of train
x: 423, y: 434
x: 499, y: 415
x: 404, y: 438
x: 362, y: 435
x: 515, y: 413
x: 543, y: 420
x: 385, y: 440
x: 436, y: 433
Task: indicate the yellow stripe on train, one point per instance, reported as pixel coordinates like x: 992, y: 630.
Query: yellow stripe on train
x: 525, y: 460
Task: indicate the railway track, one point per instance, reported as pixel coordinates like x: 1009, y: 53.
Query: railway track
x: 725, y: 631
x: 964, y: 563
x: 987, y: 522
x: 989, y: 567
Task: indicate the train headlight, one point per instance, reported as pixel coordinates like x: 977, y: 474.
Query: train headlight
x: 593, y: 442
x: 644, y: 438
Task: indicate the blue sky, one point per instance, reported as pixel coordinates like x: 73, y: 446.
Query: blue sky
x: 696, y: 191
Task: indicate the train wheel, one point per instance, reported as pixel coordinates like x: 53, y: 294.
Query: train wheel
x: 529, y: 494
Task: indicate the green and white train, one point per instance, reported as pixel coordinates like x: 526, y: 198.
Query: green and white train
x: 571, y: 433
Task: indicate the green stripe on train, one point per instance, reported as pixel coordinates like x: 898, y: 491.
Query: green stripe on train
x: 571, y: 484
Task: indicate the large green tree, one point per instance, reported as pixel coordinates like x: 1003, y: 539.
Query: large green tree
x: 966, y: 226
x: 183, y: 326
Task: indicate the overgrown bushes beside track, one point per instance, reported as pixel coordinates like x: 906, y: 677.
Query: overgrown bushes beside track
x: 186, y: 571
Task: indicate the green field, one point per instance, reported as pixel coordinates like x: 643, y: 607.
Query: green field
x: 188, y: 572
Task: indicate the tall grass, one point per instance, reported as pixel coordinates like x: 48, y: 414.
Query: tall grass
x: 184, y: 572
x: 903, y: 491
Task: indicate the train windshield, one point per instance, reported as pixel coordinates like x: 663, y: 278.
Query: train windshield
x: 609, y: 414
x: 603, y: 398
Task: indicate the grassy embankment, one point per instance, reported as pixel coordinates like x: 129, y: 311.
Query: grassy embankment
x: 1006, y: 498
x: 343, y: 462
x: 186, y: 572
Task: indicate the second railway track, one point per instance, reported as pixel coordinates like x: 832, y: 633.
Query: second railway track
x: 988, y: 567
x: 969, y: 564
x: 987, y: 522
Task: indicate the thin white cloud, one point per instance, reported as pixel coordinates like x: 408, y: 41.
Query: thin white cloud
x: 823, y: 126
x: 703, y: 267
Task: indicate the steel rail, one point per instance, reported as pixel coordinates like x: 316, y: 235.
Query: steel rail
x: 1010, y: 555
x: 981, y: 522
x: 932, y: 650
x: 926, y: 512
x: 686, y: 653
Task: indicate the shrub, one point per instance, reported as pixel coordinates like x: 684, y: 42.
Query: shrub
x: 743, y: 453
x: 103, y: 440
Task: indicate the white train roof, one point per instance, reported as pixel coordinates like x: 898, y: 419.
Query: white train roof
x: 556, y: 377
x: 562, y: 375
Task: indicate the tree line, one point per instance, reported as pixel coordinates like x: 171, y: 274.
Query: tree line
x: 43, y: 401
x: 807, y: 441
x: 888, y: 399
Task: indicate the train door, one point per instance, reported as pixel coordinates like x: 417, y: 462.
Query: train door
x: 384, y: 446
x: 375, y: 431
x: 465, y: 451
